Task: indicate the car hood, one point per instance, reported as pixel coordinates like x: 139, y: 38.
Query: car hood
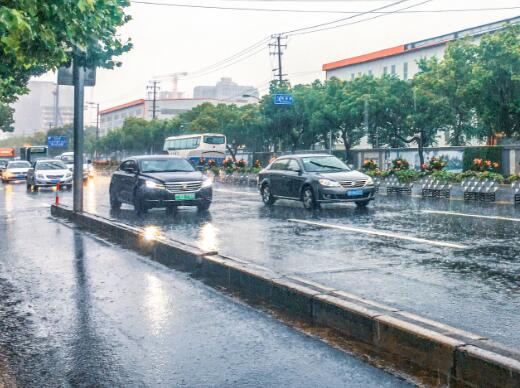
x: 53, y: 172
x: 17, y: 170
x: 343, y: 175
x: 166, y: 177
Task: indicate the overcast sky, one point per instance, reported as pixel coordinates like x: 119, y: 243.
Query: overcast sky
x: 171, y: 39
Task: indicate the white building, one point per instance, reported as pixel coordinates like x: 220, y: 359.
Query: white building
x: 226, y: 89
x: 46, y: 105
x: 402, y: 60
x: 114, y: 117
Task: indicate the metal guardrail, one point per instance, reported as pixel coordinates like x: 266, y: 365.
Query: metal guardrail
x: 516, y: 188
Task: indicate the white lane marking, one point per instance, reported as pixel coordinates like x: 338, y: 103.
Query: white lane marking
x: 236, y: 192
x: 498, y: 218
x: 380, y: 233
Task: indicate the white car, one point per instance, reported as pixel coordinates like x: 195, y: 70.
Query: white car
x: 68, y: 159
x: 16, y: 171
x: 48, y: 173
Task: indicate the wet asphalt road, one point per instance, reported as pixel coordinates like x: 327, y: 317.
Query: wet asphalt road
x: 77, y: 311
x: 475, y: 287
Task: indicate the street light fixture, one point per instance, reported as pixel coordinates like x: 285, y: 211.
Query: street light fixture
x: 250, y: 96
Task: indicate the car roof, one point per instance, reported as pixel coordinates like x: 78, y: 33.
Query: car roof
x: 152, y: 157
x: 47, y: 160
x: 299, y: 156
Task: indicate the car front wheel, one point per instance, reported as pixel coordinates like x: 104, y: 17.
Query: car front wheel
x: 267, y: 197
x: 204, y: 206
x: 362, y: 204
x: 139, y: 205
x: 308, y: 199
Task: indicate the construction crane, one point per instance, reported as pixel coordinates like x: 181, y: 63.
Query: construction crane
x: 175, y: 79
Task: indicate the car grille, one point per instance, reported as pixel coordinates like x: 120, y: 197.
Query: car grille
x: 54, y: 176
x: 348, y: 184
x: 179, y: 187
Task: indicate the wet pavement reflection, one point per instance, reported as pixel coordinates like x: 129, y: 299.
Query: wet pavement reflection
x: 78, y: 311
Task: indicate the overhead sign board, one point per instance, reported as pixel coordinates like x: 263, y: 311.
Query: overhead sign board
x: 65, y: 76
x: 57, y: 141
x: 283, y: 99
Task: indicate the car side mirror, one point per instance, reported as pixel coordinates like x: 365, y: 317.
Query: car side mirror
x: 130, y: 170
x: 89, y: 161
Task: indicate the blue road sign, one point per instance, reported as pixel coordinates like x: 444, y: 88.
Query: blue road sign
x: 283, y: 99
x: 57, y: 141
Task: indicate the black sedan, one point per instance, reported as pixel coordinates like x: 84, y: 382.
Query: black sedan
x: 314, y: 179
x: 159, y: 181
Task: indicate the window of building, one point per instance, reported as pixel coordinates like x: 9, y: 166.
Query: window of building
x: 352, y: 76
x: 385, y: 70
x: 392, y: 69
x: 405, y: 71
x: 370, y: 72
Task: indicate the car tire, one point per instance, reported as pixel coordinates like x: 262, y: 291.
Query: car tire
x: 362, y: 204
x: 308, y: 198
x: 114, y: 203
x: 139, y: 205
x: 171, y: 210
x: 267, y: 197
x: 204, y: 206
x: 68, y: 187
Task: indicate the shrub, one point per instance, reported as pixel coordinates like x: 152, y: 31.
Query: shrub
x: 493, y: 154
x: 434, y: 164
x: 369, y: 165
x: 407, y: 176
x: 400, y: 164
x: 485, y: 165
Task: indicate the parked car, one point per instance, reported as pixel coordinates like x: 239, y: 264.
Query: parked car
x: 159, y: 181
x: 48, y: 173
x: 68, y: 159
x: 16, y: 171
x: 3, y: 165
x: 314, y: 179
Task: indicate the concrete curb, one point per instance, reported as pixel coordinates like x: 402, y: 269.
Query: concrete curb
x: 439, y: 354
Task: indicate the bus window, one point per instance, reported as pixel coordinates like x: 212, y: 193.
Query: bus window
x: 214, y: 139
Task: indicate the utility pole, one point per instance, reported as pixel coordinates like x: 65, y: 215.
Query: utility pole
x: 78, y: 75
x: 278, y: 51
x: 154, y: 90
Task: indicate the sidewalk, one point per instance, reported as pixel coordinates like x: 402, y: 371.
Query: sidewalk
x: 75, y: 310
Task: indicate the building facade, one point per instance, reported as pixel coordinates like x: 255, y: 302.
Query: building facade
x: 226, y: 89
x: 114, y: 117
x: 46, y: 105
x: 402, y: 60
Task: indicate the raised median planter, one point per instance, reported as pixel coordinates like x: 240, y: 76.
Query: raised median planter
x: 435, y: 353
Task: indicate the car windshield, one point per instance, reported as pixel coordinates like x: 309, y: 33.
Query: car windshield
x: 3, y: 163
x: 19, y: 165
x: 165, y: 165
x: 68, y: 158
x: 324, y: 164
x: 51, y: 165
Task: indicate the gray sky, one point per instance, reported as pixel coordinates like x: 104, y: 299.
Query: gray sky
x: 171, y: 39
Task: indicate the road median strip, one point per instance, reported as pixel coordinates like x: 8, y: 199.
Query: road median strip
x: 437, y: 353
x: 446, y: 213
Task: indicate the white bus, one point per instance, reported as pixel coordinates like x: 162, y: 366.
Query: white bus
x: 210, y: 146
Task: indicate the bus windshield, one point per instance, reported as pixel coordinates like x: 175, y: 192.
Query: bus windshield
x: 214, y: 139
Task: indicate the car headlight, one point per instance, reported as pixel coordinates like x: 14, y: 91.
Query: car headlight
x: 40, y: 176
x: 68, y: 174
x: 329, y: 183
x: 8, y: 174
x: 153, y: 185
x: 370, y: 181
x: 207, y: 182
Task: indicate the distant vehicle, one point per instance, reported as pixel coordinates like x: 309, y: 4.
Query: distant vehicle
x: 7, y: 153
x: 68, y: 159
x: 210, y: 146
x: 15, y: 171
x: 48, y: 173
x: 3, y: 165
x: 159, y: 181
x: 314, y: 179
x: 33, y: 153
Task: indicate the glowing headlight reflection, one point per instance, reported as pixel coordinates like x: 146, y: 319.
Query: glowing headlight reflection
x: 151, y: 233
x: 208, y: 238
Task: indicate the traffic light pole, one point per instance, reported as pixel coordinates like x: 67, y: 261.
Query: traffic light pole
x: 79, y: 88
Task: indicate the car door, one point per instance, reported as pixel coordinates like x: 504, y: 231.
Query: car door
x: 276, y: 177
x: 126, y: 177
x: 293, y: 178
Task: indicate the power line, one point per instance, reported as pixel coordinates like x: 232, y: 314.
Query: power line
x: 343, y: 19
x: 360, y: 21
x: 285, y: 10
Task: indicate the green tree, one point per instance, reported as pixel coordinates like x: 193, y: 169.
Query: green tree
x: 6, y: 118
x: 38, y: 36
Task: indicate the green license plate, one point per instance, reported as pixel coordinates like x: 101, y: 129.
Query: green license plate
x: 182, y: 197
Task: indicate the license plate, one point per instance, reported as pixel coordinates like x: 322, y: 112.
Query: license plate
x: 354, y: 193
x: 20, y: 176
x: 55, y: 181
x: 181, y: 197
